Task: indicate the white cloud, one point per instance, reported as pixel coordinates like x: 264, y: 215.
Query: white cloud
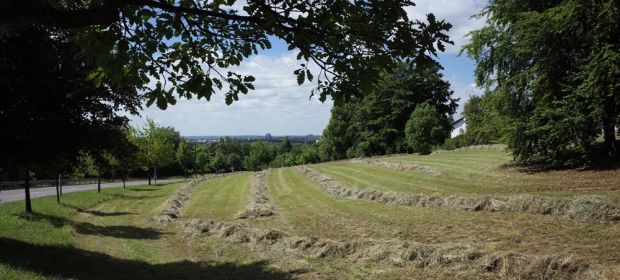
x: 278, y: 105
x: 458, y: 13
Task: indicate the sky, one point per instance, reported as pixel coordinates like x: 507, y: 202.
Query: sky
x: 280, y: 107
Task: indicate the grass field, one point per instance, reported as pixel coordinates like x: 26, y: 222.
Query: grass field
x: 112, y: 235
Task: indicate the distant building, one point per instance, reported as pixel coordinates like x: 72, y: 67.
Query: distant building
x: 458, y: 127
x: 268, y: 137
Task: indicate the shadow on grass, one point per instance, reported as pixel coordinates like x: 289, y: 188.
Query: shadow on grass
x: 125, y: 232
x: 142, y: 189
x: 135, y: 197
x: 97, y: 213
x: 69, y: 262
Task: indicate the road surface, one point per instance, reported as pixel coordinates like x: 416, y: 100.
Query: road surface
x: 17, y: 195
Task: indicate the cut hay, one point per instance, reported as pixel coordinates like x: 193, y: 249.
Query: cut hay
x: 399, y: 166
x: 585, y: 208
x: 460, y: 259
x: 259, y: 205
x: 491, y: 147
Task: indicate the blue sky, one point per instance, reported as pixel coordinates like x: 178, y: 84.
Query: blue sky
x: 280, y: 107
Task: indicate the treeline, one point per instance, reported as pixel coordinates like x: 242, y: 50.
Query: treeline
x: 409, y: 110
x: 229, y: 155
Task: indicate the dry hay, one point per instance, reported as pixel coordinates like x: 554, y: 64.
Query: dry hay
x: 171, y: 209
x: 460, y: 259
x: 492, y: 147
x: 259, y: 205
x: 586, y: 208
x: 399, y: 166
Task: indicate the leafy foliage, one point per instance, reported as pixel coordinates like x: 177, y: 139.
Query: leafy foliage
x: 50, y: 114
x: 376, y: 124
x: 180, y: 48
x: 425, y: 129
x: 157, y: 145
x: 554, y: 65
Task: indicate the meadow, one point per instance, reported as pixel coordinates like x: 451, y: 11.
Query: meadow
x: 345, y: 219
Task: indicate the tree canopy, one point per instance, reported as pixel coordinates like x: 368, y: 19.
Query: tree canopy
x: 425, y: 129
x: 556, y: 67
x: 183, y: 48
x: 49, y: 113
x: 375, y: 124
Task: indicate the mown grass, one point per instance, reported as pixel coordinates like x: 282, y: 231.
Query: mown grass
x: 304, y: 210
x: 220, y: 199
x: 478, y: 172
x: 109, y: 236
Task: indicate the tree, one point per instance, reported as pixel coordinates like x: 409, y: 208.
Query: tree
x: 234, y: 162
x: 259, y: 156
x: 485, y: 122
x: 425, y: 129
x: 158, y: 146
x: 185, y: 156
x: 48, y: 102
x: 218, y: 163
x: 375, y: 124
x: 554, y: 65
x: 185, y: 44
x: 286, y: 145
x: 202, y: 161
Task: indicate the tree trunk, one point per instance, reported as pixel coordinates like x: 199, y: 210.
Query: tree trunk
x: 58, y: 190
x: 124, y: 179
x: 60, y: 183
x: 150, y: 175
x: 27, y: 190
x: 609, y: 133
x: 155, y: 174
x: 99, y: 182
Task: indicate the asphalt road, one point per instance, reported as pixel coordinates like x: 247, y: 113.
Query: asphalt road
x: 16, y: 195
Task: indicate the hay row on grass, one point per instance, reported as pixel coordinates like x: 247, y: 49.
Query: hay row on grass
x: 585, y: 208
x: 259, y: 205
x: 492, y: 147
x: 461, y: 259
x: 399, y: 166
x: 171, y: 209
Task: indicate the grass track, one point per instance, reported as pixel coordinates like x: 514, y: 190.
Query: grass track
x: 220, y: 199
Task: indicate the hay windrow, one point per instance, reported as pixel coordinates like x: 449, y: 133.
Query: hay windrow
x: 172, y: 207
x: 492, y: 147
x: 259, y: 205
x: 585, y: 208
x: 457, y: 258
x: 399, y: 166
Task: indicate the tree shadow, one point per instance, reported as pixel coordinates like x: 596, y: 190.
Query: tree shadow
x: 97, y: 213
x: 142, y: 189
x: 125, y: 232
x: 69, y: 262
x: 135, y: 197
